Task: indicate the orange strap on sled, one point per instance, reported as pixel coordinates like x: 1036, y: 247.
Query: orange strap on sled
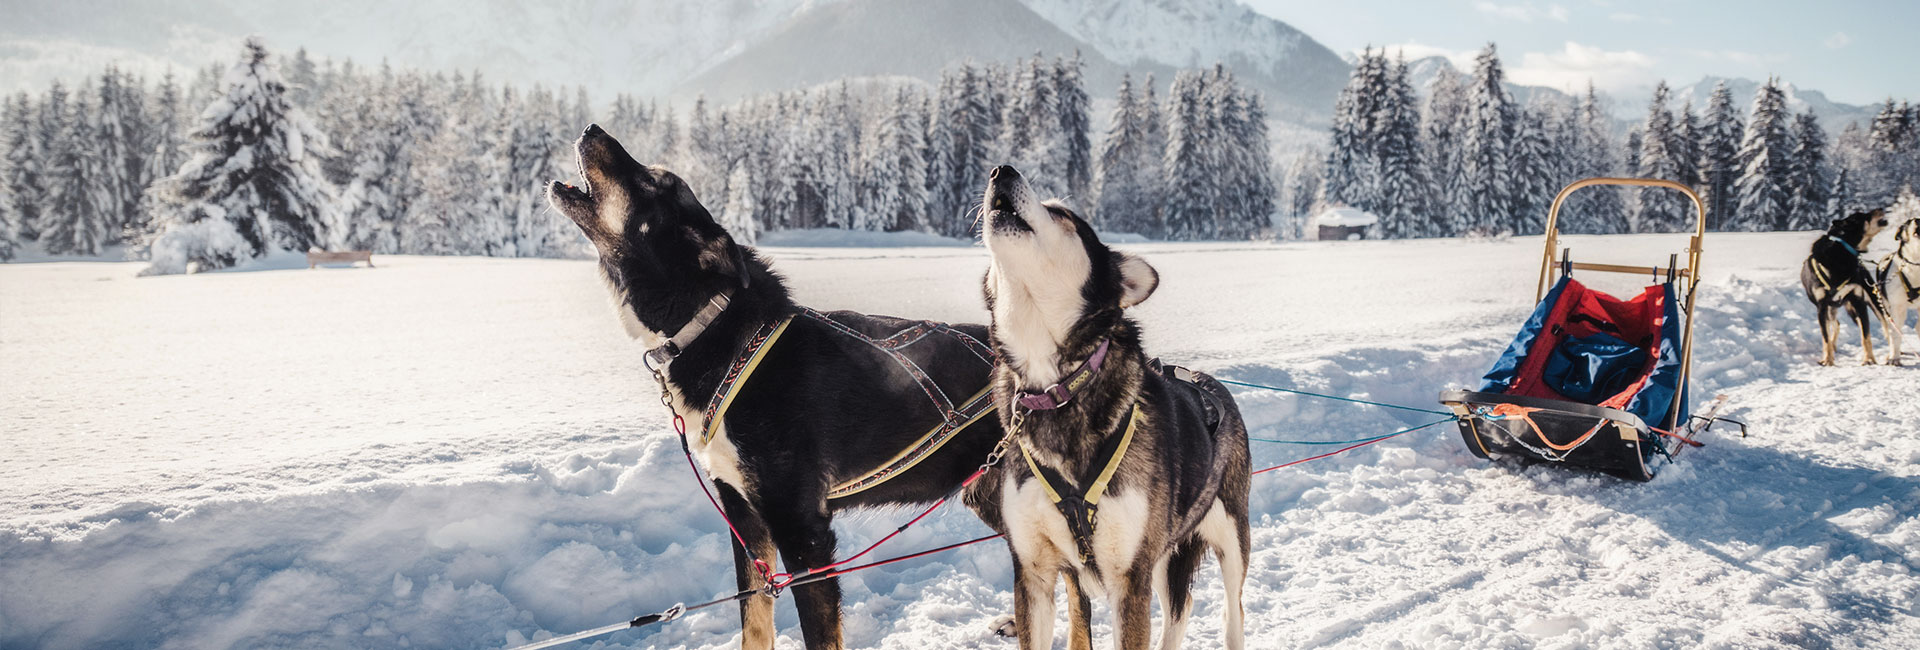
x: 1503, y: 411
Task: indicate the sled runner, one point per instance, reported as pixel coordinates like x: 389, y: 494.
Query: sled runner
x: 1592, y: 380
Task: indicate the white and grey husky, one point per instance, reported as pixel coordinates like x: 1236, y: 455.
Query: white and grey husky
x: 1124, y: 472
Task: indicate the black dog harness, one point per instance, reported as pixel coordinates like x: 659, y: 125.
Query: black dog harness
x: 1870, y: 285
x: 1079, y: 506
x: 955, y: 416
x: 1890, y: 268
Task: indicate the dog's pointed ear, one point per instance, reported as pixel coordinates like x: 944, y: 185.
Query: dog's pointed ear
x: 1137, y: 280
x: 721, y: 255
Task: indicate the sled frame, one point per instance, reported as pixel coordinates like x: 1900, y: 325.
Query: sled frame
x: 1551, y: 265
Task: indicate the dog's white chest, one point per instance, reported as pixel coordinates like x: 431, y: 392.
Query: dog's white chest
x: 1037, y: 530
x: 717, y: 453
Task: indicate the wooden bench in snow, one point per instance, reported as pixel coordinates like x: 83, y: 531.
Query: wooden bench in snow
x: 316, y: 258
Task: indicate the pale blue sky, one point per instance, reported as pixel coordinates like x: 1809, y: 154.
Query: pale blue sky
x: 1856, y: 51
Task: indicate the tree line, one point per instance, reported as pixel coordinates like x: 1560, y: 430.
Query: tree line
x: 285, y: 153
x: 1467, y: 159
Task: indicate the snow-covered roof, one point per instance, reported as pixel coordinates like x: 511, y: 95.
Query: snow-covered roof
x: 1345, y: 217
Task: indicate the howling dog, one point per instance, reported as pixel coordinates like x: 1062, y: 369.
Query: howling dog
x: 1900, y: 282
x: 796, y: 414
x: 1124, y: 472
x: 1834, y: 277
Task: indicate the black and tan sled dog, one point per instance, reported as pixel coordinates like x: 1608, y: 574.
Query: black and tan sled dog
x: 1124, y: 472
x: 796, y: 414
x: 1834, y: 277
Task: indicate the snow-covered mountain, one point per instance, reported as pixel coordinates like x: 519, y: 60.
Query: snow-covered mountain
x: 1291, y: 66
x: 1631, y: 108
x: 724, y: 47
x: 1833, y: 115
x: 642, y: 46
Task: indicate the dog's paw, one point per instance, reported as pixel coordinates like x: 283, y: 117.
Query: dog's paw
x: 1003, y: 626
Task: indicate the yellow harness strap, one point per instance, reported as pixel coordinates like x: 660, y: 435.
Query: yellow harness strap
x: 718, y: 411
x: 1099, y: 485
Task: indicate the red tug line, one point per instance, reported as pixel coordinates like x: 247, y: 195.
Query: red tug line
x: 781, y: 581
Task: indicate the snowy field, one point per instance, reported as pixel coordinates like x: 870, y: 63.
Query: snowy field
x: 464, y: 453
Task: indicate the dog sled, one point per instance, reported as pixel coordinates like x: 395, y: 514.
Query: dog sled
x: 1593, y: 380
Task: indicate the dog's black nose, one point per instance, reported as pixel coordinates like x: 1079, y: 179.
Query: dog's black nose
x: 1003, y: 170
x: 594, y: 129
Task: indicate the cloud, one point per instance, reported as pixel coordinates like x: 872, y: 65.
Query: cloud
x: 1575, y: 64
x: 1524, y: 12
x: 1837, y: 40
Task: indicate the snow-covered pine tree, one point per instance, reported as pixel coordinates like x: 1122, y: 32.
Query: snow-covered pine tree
x: 402, y: 119
x: 1487, y: 167
x: 1303, y: 193
x: 706, y: 159
x: 461, y: 208
x: 892, y: 192
x: 738, y: 217
x: 1441, y: 123
x: 206, y: 85
x: 1840, y: 197
x: 342, y: 113
x: 1533, y: 168
x: 1600, y: 210
x: 1246, y: 205
x: 1720, y: 156
x: 1686, y: 150
x: 1635, y: 136
x: 1764, y: 188
x: 303, y: 80
x: 1403, y: 181
x: 253, y: 183
x: 1353, y: 163
x: 25, y: 178
x: 1809, y: 178
x: 1661, y: 210
x: 120, y: 128
x: 939, y: 156
x: 50, y: 126
x: 1072, y: 106
x: 1121, y: 207
x: 1894, y: 143
x: 9, y: 213
x: 166, y: 150
x: 965, y: 124
x: 79, y: 215
x: 1152, y: 162
x: 1190, y: 189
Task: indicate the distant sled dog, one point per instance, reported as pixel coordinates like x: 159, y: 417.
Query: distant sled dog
x: 1835, y: 277
x: 796, y: 414
x: 1900, y: 282
x: 1124, y: 472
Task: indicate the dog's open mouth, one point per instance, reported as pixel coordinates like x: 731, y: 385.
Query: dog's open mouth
x: 1002, y: 216
x: 573, y: 193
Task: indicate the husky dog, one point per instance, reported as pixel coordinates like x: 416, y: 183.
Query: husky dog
x: 1834, y: 277
x: 834, y: 397
x: 1125, y: 472
x: 1900, y: 282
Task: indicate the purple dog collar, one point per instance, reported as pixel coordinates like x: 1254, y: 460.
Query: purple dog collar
x: 1057, y: 395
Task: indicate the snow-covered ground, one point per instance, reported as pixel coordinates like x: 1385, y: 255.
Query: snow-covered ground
x: 460, y: 452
